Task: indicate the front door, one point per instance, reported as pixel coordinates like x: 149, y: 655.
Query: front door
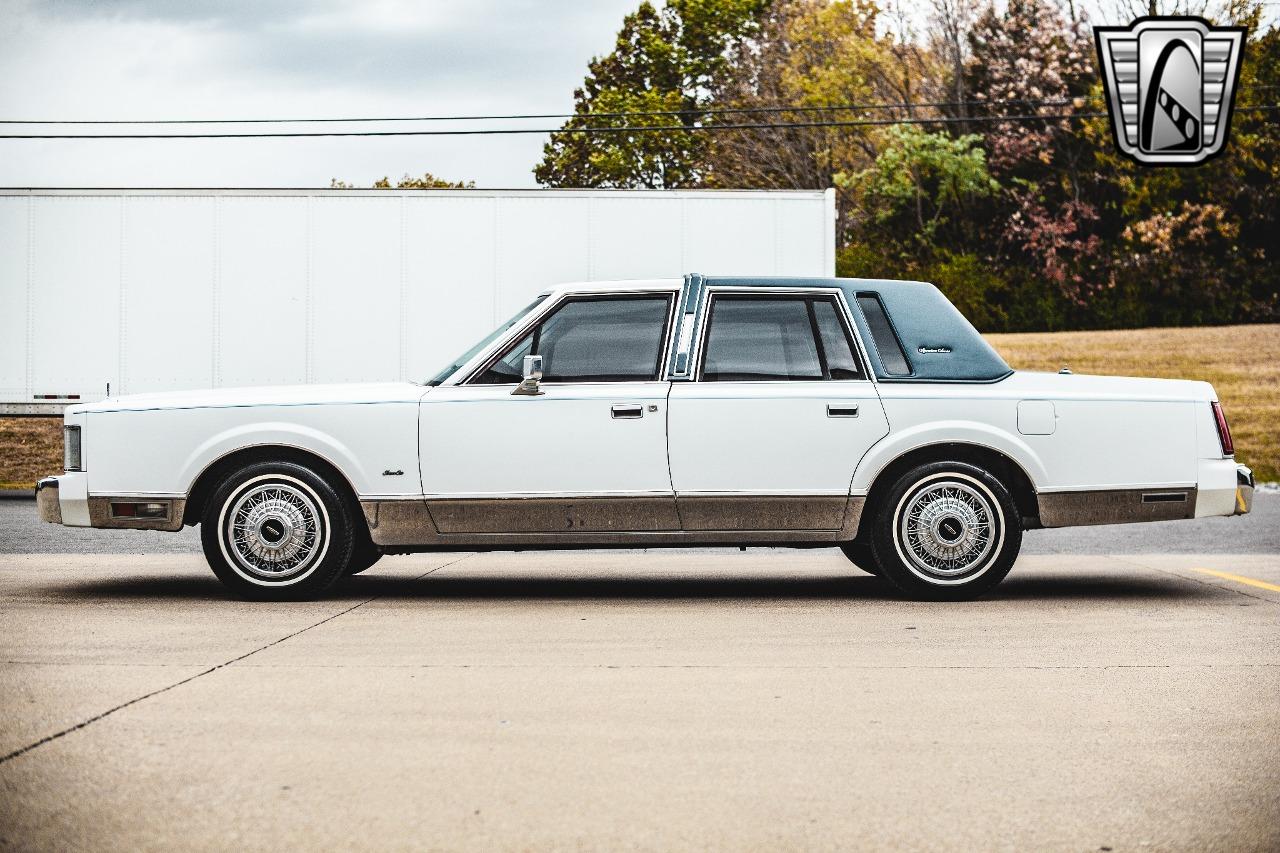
x: 589, y: 455
x: 781, y: 411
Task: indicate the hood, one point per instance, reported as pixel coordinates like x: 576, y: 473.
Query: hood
x: 278, y: 395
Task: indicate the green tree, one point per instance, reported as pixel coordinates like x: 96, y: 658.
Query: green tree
x: 428, y: 181
x: 1029, y: 59
x: 919, y: 180
x: 815, y: 55
x: 663, y: 61
x: 914, y: 211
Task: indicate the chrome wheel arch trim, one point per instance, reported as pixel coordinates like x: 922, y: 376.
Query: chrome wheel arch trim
x: 301, y: 449
x: 944, y: 435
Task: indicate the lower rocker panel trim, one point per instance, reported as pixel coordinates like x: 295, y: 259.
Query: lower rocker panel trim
x: 612, y: 521
x: 1116, y: 506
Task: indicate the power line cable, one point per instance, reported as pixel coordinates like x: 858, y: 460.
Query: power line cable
x: 517, y: 116
x: 524, y: 116
x: 679, y: 128
x: 676, y: 128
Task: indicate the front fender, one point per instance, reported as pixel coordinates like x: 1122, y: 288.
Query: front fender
x: 280, y: 434
x: 897, y: 444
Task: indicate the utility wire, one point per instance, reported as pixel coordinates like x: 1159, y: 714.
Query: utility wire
x: 678, y: 128
x: 674, y: 128
x: 517, y: 116
x: 1060, y: 102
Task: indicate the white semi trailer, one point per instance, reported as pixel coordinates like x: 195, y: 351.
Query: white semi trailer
x: 151, y: 290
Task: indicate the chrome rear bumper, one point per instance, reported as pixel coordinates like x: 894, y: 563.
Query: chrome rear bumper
x: 1244, y: 490
x: 48, y: 505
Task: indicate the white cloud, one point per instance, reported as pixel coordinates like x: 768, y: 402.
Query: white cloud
x: 146, y: 59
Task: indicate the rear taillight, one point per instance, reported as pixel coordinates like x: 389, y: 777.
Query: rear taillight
x: 1224, y: 431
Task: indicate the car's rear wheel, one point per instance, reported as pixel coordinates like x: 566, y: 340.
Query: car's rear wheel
x: 946, y: 531
x: 277, y: 531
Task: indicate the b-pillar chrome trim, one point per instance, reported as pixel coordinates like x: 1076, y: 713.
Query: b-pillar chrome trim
x: 613, y: 521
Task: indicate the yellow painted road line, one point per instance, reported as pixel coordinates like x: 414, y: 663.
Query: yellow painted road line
x: 1240, y: 579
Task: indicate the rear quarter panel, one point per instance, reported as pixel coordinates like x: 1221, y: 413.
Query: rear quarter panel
x: 1108, y: 433
x: 1117, y: 444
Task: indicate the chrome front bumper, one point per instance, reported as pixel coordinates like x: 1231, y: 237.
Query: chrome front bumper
x: 1244, y: 490
x: 65, y: 500
x: 48, y: 505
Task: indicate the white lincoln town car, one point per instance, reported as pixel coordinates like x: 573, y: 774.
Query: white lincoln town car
x: 863, y: 414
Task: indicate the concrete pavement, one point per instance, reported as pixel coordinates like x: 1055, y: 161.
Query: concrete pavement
x: 762, y: 700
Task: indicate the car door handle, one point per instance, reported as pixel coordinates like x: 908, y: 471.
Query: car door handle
x: 843, y: 410
x: 628, y: 410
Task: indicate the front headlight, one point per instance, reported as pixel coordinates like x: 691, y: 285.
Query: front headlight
x: 71, y: 457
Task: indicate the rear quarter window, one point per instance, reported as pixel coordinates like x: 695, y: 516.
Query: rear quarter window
x: 892, y: 356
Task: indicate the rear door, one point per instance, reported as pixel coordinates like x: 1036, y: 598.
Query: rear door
x: 768, y: 435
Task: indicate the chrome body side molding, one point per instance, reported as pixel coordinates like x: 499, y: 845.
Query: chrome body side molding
x: 612, y: 521
x: 554, y: 515
x: 750, y: 512
x: 1116, y: 506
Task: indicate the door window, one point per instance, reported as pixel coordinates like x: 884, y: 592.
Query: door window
x: 837, y: 347
x: 615, y: 339
x: 755, y: 339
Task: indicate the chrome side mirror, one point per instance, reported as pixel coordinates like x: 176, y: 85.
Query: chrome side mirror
x: 532, y: 376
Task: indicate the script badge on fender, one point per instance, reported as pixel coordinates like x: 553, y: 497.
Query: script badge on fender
x: 1170, y: 84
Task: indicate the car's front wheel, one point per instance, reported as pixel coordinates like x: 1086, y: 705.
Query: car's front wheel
x: 363, y: 554
x: 859, y: 553
x: 277, y: 531
x: 946, y: 531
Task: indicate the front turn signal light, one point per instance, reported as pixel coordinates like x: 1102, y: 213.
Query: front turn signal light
x: 72, y: 457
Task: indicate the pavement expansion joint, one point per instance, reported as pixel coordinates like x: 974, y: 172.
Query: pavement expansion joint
x: 96, y: 717
x: 766, y: 667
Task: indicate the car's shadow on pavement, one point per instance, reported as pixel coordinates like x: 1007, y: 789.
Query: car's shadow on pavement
x: 781, y: 587
x: 480, y: 587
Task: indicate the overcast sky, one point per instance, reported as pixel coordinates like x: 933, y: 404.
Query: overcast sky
x: 147, y: 59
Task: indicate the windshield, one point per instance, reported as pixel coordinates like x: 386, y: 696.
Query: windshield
x: 488, y: 339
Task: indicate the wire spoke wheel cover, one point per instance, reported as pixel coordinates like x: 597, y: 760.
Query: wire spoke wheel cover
x: 948, y: 528
x: 273, y: 530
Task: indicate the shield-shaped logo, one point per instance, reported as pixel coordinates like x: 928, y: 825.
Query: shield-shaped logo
x: 1170, y: 84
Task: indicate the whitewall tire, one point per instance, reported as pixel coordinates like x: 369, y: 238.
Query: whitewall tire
x: 946, y: 530
x: 277, y: 530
